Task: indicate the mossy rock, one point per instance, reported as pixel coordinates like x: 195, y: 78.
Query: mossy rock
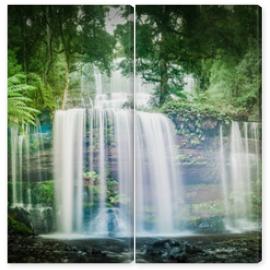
x: 16, y: 227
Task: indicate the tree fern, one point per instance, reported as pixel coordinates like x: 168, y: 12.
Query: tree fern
x: 19, y: 109
x: 41, y: 93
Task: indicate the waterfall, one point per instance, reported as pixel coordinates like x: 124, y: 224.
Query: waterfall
x: 91, y: 154
x: 68, y: 169
x: 20, y: 166
x: 70, y: 132
x: 91, y: 136
x: 14, y: 163
x: 238, y: 176
x: 123, y: 121
x: 93, y: 170
x: 93, y: 161
x: 104, y: 135
x: 28, y: 167
x: 158, y: 178
x: 237, y: 184
x: 40, y: 151
x: 224, y: 178
x: 21, y: 144
x: 99, y: 223
x: 255, y: 136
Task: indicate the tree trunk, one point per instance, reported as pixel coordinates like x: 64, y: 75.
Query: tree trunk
x: 23, y: 36
x: 163, y: 59
x: 163, y: 81
x: 67, y: 58
x: 66, y: 86
x: 49, y: 45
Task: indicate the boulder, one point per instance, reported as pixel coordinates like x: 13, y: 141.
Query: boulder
x: 169, y: 250
x: 19, y: 222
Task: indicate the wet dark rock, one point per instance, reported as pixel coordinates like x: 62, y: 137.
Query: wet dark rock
x: 33, y: 249
x: 19, y: 222
x: 38, y: 220
x: 215, y: 248
x: 169, y: 250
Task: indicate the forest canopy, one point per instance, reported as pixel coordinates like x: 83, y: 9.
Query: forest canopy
x: 219, y: 45
x: 45, y: 43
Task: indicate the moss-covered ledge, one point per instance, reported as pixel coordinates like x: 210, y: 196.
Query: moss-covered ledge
x: 198, y: 121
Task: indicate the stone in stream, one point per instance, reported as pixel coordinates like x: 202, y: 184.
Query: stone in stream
x: 168, y: 250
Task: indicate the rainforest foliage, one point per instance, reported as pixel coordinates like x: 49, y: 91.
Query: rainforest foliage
x: 46, y: 43
x: 220, y: 46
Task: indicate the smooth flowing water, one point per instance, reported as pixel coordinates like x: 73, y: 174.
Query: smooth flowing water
x: 68, y: 169
x: 99, y: 142
x: 93, y: 164
x: 158, y: 178
x: 26, y: 148
x: 224, y: 179
x: 237, y: 178
x: 108, y: 142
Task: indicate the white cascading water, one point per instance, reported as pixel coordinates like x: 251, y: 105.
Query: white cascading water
x: 255, y: 136
x: 100, y: 139
x: 102, y: 220
x: 237, y: 183
x: 98, y: 224
x: 240, y: 181
x: 107, y: 110
x: 20, y: 166
x: 123, y: 121
x: 14, y: 164
x: 68, y: 169
x: 158, y: 181
x: 158, y: 178
x: 21, y: 163
x: 224, y: 183
x: 28, y: 167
